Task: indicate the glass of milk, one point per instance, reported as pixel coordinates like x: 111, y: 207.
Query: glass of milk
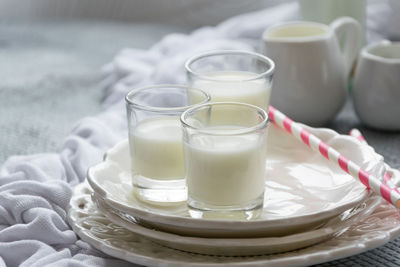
x: 231, y: 75
x: 225, y: 159
x: 155, y: 138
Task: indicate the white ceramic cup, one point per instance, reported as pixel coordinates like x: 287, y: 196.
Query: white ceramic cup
x: 376, y: 90
x: 311, y: 74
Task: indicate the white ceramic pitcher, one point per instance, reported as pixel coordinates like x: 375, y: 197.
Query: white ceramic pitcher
x: 311, y: 74
x: 376, y: 90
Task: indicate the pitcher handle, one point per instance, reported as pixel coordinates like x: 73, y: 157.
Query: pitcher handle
x: 351, y: 29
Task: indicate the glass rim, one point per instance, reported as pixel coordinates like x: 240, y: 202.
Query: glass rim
x: 258, y: 56
x: 258, y: 126
x: 133, y: 92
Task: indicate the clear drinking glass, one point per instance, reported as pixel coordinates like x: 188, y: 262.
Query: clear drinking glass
x: 155, y: 138
x: 225, y: 159
x: 230, y: 75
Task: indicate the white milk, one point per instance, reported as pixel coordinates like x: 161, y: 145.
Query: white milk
x: 225, y: 171
x: 156, y: 149
x: 232, y: 86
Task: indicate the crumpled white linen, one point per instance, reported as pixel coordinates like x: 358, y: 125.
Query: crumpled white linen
x: 35, y: 190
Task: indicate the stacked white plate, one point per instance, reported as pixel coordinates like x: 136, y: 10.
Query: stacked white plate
x: 309, y: 202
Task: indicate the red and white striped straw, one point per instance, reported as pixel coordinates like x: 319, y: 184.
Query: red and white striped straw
x: 300, y: 133
x: 357, y: 134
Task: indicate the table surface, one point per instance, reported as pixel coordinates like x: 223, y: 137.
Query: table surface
x: 56, y: 66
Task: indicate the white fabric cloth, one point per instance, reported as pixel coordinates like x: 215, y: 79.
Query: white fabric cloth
x: 35, y: 190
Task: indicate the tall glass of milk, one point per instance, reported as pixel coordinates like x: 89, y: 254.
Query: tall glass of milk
x: 155, y: 138
x: 225, y: 159
x: 231, y: 75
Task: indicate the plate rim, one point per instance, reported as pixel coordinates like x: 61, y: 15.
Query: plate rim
x: 333, y: 252
x: 321, y: 234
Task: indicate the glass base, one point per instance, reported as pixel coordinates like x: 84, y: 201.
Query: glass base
x: 159, y: 192
x: 249, y: 211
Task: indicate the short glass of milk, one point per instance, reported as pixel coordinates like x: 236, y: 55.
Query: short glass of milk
x: 232, y: 75
x: 225, y: 159
x: 155, y: 139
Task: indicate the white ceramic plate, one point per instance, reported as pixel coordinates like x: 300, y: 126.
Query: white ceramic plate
x: 235, y: 246
x: 381, y: 226
x: 303, y: 189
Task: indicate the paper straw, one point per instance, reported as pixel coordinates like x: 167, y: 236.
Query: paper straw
x: 357, y: 134
x: 300, y: 133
